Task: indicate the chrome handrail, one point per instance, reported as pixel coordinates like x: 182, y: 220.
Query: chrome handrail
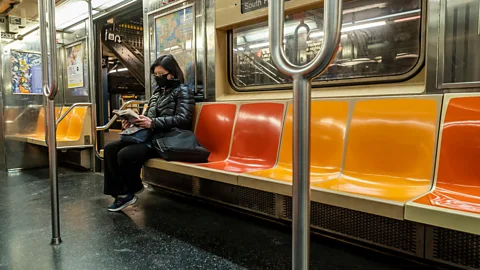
x: 302, y: 82
x: 295, y: 41
x: 74, y: 105
x: 115, y: 117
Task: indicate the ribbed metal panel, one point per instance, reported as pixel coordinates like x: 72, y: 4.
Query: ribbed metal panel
x: 397, y: 234
x: 255, y: 200
x: 459, y: 248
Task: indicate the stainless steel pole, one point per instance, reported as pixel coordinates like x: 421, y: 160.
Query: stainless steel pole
x: 302, y: 77
x: 91, y: 72
x: 301, y: 172
x: 50, y: 92
x: 44, y: 50
x: 52, y: 153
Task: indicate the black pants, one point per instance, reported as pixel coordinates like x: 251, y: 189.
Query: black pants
x: 123, y: 163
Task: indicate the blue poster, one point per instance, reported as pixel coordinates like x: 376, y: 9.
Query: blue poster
x: 26, y: 72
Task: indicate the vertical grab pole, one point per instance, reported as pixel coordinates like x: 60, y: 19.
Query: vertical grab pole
x: 50, y: 92
x: 44, y: 56
x: 91, y: 72
x: 302, y: 77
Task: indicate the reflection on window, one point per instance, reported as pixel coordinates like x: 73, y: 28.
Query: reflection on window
x: 379, y: 38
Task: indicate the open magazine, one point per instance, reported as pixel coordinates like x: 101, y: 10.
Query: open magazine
x: 128, y: 115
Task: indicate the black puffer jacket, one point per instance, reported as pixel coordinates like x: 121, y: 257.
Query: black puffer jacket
x: 171, y: 107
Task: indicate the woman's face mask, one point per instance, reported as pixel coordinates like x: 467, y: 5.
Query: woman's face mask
x: 161, y: 81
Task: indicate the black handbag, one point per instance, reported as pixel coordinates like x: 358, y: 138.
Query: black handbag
x: 180, y: 145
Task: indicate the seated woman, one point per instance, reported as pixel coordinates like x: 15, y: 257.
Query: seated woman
x: 171, y: 105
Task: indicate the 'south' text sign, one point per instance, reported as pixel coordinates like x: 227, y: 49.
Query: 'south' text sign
x: 251, y: 5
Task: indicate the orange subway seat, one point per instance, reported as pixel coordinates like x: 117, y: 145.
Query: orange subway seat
x: 63, y: 125
x: 390, y: 149
x: 255, y: 139
x: 62, y: 128
x: 214, y: 129
x: 328, y: 126
x: 75, y: 124
x: 195, y: 115
x: 40, y: 128
x: 458, y: 177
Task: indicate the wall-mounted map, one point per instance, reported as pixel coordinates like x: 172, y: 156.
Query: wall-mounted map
x: 26, y: 72
x: 174, y: 34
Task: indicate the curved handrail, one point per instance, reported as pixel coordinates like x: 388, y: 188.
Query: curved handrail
x: 297, y: 29
x: 332, y: 26
x: 115, y: 117
x: 49, y: 89
x: 74, y: 105
x: 43, y: 45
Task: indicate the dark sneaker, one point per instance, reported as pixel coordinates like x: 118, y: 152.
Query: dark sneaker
x: 120, y: 203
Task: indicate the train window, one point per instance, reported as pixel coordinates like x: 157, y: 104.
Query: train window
x: 379, y: 39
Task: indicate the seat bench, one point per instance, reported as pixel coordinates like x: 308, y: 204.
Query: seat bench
x: 240, y: 137
x: 454, y: 203
x: 328, y: 129
x: 369, y: 155
x: 72, y: 131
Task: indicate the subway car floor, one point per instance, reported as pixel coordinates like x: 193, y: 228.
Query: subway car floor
x: 162, y: 231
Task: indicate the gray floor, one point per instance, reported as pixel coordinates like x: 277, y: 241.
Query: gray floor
x: 161, y: 232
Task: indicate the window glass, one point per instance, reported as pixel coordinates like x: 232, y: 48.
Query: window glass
x: 379, y: 38
x: 461, y: 42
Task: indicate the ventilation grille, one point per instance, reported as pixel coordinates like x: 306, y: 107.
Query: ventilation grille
x: 255, y: 200
x: 174, y: 181
x: 401, y: 235
x: 456, y: 247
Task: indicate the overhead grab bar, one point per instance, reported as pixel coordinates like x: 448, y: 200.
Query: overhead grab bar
x: 302, y: 82
x: 115, y: 117
x: 50, y: 92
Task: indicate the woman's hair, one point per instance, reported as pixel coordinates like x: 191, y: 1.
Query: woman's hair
x: 169, y: 64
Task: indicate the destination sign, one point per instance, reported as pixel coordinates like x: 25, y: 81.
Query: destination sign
x: 251, y: 5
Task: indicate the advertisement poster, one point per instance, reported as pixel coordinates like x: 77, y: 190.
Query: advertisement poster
x: 174, y: 34
x: 26, y: 72
x: 75, y: 66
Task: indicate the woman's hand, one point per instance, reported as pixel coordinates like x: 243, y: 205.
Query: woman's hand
x: 125, y: 124
x: 144, y: 122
